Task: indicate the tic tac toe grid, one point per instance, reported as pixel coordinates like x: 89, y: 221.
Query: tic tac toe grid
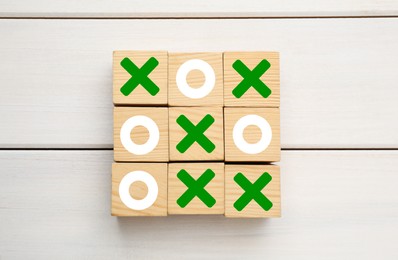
x: 196, y: 133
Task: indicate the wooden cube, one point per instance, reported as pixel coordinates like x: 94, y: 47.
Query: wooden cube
x: 251, y: 79
x: 140, y: 77
x: 196, y: 188
x: 196, y: 134
x: 195, y: 79
x: 252, y: 134
x: 139, y: 189
x: 252, y: 191
x: 140, y: 134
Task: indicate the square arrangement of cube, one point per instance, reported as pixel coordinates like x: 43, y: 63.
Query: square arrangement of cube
x: 196, y: 134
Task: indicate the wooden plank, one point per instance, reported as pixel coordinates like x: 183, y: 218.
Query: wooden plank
x: 57, y: 205
x: 338, y: 76
x: 207, y: 8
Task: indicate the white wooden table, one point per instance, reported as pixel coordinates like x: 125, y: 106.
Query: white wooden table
x: 339, y: 120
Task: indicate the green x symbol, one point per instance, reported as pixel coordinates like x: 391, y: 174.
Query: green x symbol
x: 196, y: 188
x: 139, y: 76
x: 195, y: 133
x: 252, y: 191
x: 251, y: 78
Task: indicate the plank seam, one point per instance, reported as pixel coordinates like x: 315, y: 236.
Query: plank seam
x: 194, y: 18
x: 283, y: 149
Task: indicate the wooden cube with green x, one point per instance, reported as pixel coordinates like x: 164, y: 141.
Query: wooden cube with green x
x: 140, y: 77
x: 251, y: 79
x: 252, y: 191
x: 196, y: 188
x: 196, y: 134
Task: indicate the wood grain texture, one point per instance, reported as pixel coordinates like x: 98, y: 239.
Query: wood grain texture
x: 215, y: 133
x: 338, y: 76
x: 140, y: 96
x: 176, y: 188
x: 251, y: 98
x: 140, y: 135
x: 196, y: 80
x: 55, y: 205
x: 207, y: 8
x: 272, y: 191
x: 158, y: 171
x: 233, y: 153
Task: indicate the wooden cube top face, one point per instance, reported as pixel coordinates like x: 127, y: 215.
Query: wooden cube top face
x: 149, y: 137
x: 180, y: 196
x: 247, y: 129
x: 154, y: 62
x: 247, y: 207
x: 195, y: 151
x: 232, y: 78
x: 135, y: 196
x: 195, y: 79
